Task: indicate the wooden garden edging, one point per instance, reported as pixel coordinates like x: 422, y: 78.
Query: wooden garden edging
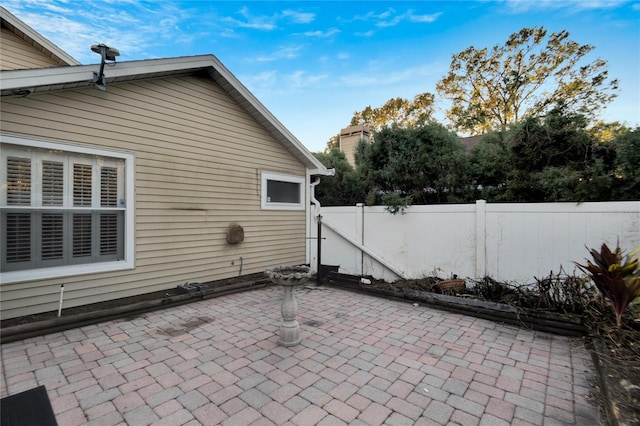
x: 528, y: 318
x: 65, y: 322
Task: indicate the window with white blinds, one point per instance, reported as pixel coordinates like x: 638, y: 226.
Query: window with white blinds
x: 61, y: 208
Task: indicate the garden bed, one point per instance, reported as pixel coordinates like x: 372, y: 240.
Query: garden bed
x: 413, y: 291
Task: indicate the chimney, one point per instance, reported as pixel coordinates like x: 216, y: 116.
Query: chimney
x: 349, y: 139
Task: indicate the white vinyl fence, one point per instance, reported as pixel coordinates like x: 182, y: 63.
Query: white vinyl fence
x: 508, y: 242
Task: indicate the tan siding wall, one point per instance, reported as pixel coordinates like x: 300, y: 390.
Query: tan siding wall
x: 198, y: 162
x: 16, y: 54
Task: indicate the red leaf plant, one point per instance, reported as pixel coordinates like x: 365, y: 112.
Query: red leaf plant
x: 616, y: 276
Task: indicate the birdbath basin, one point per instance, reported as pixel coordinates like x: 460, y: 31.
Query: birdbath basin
x: 289, y: 277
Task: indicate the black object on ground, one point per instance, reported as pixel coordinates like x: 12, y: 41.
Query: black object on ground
x: 28, y: 408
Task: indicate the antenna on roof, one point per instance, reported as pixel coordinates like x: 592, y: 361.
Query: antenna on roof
x: 106, y: 54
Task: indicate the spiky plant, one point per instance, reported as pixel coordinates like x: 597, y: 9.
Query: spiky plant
x: 616, y: 276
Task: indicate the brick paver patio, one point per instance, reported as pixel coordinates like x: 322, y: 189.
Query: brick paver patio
x: 362, y: 361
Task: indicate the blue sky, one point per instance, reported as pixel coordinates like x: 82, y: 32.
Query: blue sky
x: 313, y: 64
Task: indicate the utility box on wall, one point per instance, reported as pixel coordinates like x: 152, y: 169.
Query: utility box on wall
x: 235, y: 234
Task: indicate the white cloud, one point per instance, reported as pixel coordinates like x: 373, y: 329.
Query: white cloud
x: 301, y: 79
x: 424, y: 18
x: 391, y: 18
x: 228, y: 33
x: 265, y: 23
x: 322, y: 34
x: 374, y: 16
x: 52, y: 6
x: 269, y: 22
x: 132, y: 27
x: 73, y: 37
x: 365, y: 34
x: 524, y: 6
x: 410, y: 17
x: 265, y: 78
x: 272, y: 84
x: 376, y: 75
x: 286, y: 52
x: 358, y: 80
x: 299, y: 17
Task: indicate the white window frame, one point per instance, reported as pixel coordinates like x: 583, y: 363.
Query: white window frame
x: 268, y: 205
x: 129, y: 214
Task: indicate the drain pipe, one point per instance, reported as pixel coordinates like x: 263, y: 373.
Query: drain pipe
x: 316, y: 207
x: 320, y: 276
x: 61, y: 299
x: 316, y: 203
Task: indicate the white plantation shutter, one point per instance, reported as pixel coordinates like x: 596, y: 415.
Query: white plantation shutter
x: 18, y: 181
x: 17, y: 226
x: 82, y: 185
x: 52, y: 236
x: 109, y: 231
x: 52, y: 183
x: 110, y: 224
x: 18, y: 237
x: 82, y: 235
x: 108, y: 187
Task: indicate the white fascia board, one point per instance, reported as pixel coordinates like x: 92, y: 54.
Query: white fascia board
x: 149, y: 66
x: 322, y: 172
x: 29, y: 78
x: 24, y: 79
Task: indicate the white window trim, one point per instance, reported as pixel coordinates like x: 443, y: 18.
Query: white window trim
x: 129, y: 222
x: 284, y: 178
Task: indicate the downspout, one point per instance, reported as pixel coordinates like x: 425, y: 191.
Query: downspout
x: 316, y: 203
x: 316, y: 208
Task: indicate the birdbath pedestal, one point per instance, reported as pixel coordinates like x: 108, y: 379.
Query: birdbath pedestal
x: 289, y: 277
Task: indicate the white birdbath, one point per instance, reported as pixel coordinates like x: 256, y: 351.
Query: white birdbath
x: 289, y: 277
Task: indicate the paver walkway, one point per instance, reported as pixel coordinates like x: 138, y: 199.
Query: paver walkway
x: 362, y: 361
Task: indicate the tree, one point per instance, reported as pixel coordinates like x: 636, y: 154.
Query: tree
x: 493, y: 89
x: 342, y: 189
x: 608, y: 132
x: 398, y: 112
x: 489, y: 165
x: 333, y: 142
x: 628, y: 165
x: 554, y: 159
x: 418, y: 165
